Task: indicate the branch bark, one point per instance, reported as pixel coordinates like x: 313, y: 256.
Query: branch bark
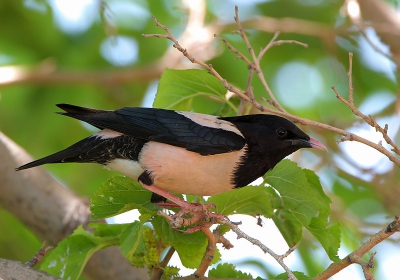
x: 45, y: 74
x: 355, y: 256
x: 16, y: 270
x: 248, y: 98
x: 385, y: 22
x: 254, y: 65
x: 52, y: 211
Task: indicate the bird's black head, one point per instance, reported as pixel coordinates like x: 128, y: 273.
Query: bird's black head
x: 269, y: 139
x: 283, y: 134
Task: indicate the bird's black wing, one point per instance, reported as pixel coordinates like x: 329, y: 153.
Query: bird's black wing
x: 165, y: 126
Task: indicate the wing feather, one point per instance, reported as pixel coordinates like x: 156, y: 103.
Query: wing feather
x: 165, y: 126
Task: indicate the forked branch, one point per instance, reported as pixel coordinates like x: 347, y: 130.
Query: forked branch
x: 253, y: 64
x: 368, y: 119
x: 249, y: 97
x: 355, y: 257
x: 279, y: 258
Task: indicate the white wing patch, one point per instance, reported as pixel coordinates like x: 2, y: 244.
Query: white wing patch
x: 211, y: 121
x: 107, y: 133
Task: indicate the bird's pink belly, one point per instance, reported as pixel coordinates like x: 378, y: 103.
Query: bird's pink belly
x: 177, y: 170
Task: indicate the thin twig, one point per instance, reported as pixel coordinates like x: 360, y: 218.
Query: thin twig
x: 220, y: 238
x: 367, y: 268
x: 377, y: 238
x: 368, y: 119
x: 280, y: 111
x: 158, y: 272
x: 258, y: 243
x: 375, y: 46
x: 242, y: 34
x: 39, y: 255
x: 208, y: 255
x: 283, y: 113
x: 256, y: 61
x: 288, y: 252
x: 361, y: 25
x: 209, y: 67
x: 290, y: 42
x: 248, y: 91
x: 350, y: 78
x: 235, y: 51
x: 268, y: 46
x: 255, y: 66
x: 167, y: 257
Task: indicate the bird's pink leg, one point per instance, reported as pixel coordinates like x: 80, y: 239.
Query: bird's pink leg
x: 178, y: 201
x: 200, y: 214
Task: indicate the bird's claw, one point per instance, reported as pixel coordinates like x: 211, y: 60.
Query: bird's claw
x: 197, y: 215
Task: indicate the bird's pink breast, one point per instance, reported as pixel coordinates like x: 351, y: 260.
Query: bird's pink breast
x: 177, y: 170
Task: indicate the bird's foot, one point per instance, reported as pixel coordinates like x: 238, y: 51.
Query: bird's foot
x: 193, y: 215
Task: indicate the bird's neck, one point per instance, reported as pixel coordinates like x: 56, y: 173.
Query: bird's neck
x: 252, y: 166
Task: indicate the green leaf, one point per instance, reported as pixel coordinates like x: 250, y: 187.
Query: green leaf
x: 69, y: 258
x: 329, y: 237
x: 297, y: 194
x: 190, y: 247
x: 288, y: 226
x: 316, y: 184
x: 303, y: 200
x: 132, y: 243
x: 299, y: 276
x: 248, y: 200
x: 118, y: 195
x: 227, y: 270
x: 108, y: 230
x: 191, y: 89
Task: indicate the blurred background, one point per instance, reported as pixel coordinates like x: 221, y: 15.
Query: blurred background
x: 92, y: 53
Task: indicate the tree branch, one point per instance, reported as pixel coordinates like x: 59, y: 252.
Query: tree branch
x: 279, y: 258
x: 52, y: 211
x: 245, y: 96
x: 386, y: 23
x: 254, y: 65
x: 355, y: 256
x: 39, y: 255
x: 368, y: 119
x: 158, y: 272
x: 208, y: 255
x: 46, y: 74
x: 16, y: 270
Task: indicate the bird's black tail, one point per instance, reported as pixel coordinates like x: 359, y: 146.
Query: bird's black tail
x: 79, y: 152
x: 86, y: 150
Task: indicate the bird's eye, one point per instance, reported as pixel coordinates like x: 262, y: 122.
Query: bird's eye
x: 281, y: 132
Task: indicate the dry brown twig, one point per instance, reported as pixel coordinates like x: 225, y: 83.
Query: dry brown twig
x: 209, y: 67
x: 368, y: 119
x: 355, y: 257
x: 273, y: 101
x: 362, y: 25
x: 220, y: 238
x: 248, y: 96
x: 208, y: 255
x: 39, y: 255
x: 279, y: 258
x: 158, y: 272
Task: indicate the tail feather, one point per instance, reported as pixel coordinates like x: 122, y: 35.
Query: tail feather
x: 98, y: 118
x: 78, y: 152
x: 54, y: 158
x: 86, y: 150
x: 73, y: 109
